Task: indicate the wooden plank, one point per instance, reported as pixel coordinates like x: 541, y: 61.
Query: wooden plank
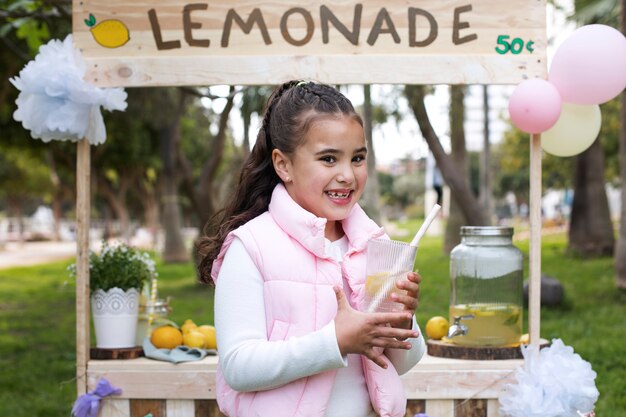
x: 493, y: 408
x: 207, y: 408
x: 456, y: 384
x: 434, y: 363
x: 534, y: 284
x: 414, y: 407
x: 114, y: 407
x: 180, y: 408
x: 470, y: 408
x: 146, y: 378
x: 337, y: 69
x: 173, y: 42
x: 139, y: 408
x: 83, y: 209
x: 440, y: 408
x: 432, y: 378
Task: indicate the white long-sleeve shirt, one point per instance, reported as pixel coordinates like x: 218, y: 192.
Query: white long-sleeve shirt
x: 250, y: 362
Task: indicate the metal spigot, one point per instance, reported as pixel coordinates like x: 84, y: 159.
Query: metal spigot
x: 458, y: 328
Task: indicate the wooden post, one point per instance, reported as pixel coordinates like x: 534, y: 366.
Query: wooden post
x: 83, y: 208
x: 534, y: 281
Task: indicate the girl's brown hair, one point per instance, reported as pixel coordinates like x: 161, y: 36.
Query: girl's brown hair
x: 288, y: 114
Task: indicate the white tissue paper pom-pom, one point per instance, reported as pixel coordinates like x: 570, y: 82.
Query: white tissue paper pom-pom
x: 55, y: 103
x: 555, y: 382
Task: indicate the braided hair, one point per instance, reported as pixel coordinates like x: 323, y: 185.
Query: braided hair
x: 289, y: 112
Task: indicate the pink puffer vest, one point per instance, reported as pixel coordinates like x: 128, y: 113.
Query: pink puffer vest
x: 287, y: 245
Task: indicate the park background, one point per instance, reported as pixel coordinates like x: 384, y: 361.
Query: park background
x: 172, y: 158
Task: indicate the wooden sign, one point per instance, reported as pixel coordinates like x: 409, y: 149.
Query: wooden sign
x: 191, y: 42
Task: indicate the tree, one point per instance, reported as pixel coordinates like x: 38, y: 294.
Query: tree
x: 371, y: 194
x: 486, y: 190
x: 453, y: 175
x: 591, y: 229
x: 458, y: 154
x: 204, y: 190
x: 252, y: 102
x: 169, y: 134
x: 512, y: 162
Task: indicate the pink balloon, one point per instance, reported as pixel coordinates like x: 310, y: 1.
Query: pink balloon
x: 590, y: 65
x: 534, y: 106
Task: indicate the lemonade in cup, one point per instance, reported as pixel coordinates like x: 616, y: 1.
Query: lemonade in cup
x: 387, y: 262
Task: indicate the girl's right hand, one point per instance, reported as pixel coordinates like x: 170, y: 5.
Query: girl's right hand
x: 359, y: 332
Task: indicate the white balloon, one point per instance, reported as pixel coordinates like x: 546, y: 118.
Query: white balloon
x: 574, y: 132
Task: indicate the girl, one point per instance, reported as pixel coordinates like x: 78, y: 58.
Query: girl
x: 288, y: 261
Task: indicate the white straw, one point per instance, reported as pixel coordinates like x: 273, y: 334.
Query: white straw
x: 429, y: 219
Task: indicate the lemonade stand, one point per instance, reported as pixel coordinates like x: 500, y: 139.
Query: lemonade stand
x: 173, y: 43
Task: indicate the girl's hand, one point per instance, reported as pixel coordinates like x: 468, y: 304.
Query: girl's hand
x: 359, y: 332
x: 411, y: 299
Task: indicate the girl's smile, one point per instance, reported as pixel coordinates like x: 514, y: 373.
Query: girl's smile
x: 326, y: 174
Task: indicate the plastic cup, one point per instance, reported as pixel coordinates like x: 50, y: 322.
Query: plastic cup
x: 387, y: 262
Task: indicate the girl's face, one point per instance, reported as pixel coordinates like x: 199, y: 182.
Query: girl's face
x: 326, y: 174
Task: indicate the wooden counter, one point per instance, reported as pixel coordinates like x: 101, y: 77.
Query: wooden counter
x: 440, y: 387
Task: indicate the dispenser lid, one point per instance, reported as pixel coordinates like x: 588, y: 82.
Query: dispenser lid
x: 486, y: 231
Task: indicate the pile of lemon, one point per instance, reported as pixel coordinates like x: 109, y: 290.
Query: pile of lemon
x: 189, y: 334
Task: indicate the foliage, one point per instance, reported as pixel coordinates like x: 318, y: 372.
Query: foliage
x: 118, y: 266
x: 23, y: 173
x: 605, y: 12
x: 512, y: 159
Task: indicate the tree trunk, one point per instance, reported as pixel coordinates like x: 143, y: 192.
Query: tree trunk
x: 150, y: 203
x: 57, y: 196
x: 174, y: 249
x: 486, y: 199
x: 591, y: 230
x: 458, y: 154
x: 453, y: 175
x: 15, y: 207
x: 620, y: 248
x: 204, y: 193
x: 116, y: 199
x: 371, y: 203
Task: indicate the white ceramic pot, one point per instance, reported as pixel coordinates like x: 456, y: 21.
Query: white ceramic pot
x: 114, y: 315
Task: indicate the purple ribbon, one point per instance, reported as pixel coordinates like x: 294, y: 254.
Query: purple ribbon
x: 88, y: 405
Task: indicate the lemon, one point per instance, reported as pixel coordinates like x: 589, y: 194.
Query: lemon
x: 188, y: 325
x: 166, y: 337
x: 524, y: 339
x: 194, y: 339
x: 209, y: 336
x: 437, y: 327
x: 374, y: 282
x: 110, y: 33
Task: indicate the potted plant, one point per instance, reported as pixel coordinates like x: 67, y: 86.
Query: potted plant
x: 116, y: 277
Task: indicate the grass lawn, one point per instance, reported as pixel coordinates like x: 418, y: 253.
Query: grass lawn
x: 37, y: 323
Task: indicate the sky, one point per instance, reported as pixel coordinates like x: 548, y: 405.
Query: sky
x: 396, y: 140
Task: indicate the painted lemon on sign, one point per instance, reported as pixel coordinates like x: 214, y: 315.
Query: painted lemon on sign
x: 110, y: 33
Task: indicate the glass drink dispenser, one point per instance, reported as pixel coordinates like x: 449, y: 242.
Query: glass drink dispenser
x: 486, y: 294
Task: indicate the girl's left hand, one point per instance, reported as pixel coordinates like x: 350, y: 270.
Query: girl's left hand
x: 411, y: 299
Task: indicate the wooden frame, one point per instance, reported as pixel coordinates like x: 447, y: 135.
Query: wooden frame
x: 475, y: 42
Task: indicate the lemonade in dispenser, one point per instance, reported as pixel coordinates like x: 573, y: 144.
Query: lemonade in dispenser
x: 486, y: 294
